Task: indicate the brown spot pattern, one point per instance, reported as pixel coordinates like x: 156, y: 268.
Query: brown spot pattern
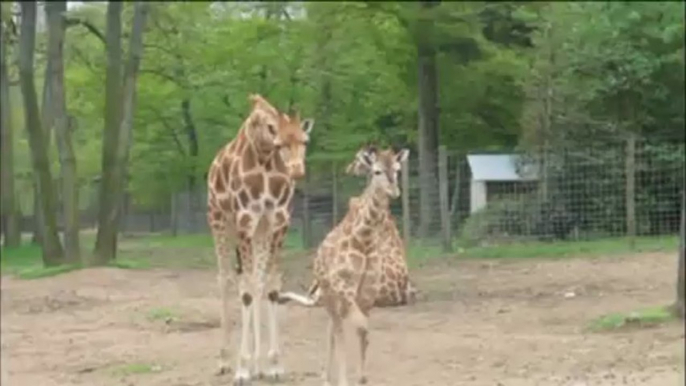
x: 255, y: 183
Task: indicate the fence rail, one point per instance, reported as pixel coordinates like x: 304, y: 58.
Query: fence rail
x: 628, y: 189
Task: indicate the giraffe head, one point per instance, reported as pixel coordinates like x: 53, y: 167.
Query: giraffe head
x: 286, y: 135
x: 381, y: 167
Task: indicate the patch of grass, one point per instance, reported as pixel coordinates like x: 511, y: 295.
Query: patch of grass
x: 197, y: 251
x: 182, y: 251
x: 41, y: 272
x: 420, y: 251
x: 135, y: 369
x: 20, y: 258
x: 163, y: 314
x: 130, y: 263
x: 26, y: 263
x: 648, y: 317
x: 559, y: 249
x: 200, y: 240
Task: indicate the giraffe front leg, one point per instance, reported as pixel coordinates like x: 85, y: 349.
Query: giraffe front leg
x: 275, y: 370
x: 262, y: 256
x: 242, y: 376
x: 257, y: 324
x: 224, y: 367
x: 247, y: 293
x: 223, y: 280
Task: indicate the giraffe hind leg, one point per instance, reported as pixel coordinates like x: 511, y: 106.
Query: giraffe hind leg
x: 330, y: 350
x: 339, y: 336
x: 358, y: 320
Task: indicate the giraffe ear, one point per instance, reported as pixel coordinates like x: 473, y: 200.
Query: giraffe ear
x: 402, y: 156
x: 307, y: 125
x: 358, y: 167
x: 367, y: 157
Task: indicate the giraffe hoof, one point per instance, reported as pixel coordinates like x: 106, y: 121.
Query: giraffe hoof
x: 222, y: 370
x: 242, y: 378
x: 275, y: 374
x: 362, y: 381
x: 257, y: 374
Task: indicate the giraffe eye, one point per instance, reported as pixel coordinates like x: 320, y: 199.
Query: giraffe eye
x: 377, y: 172
x: 272, y: 129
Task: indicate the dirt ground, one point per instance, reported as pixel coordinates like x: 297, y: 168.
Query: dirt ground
x: 482, y: 322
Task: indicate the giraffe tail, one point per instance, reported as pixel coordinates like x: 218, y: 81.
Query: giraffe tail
x: 309, y: 300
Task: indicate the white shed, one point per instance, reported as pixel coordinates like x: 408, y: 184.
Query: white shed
x: 487, y: 168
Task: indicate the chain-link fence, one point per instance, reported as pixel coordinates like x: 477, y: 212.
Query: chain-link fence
x: 627, y: 188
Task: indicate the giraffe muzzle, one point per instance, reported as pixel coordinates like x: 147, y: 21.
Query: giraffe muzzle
x: 297, y: 171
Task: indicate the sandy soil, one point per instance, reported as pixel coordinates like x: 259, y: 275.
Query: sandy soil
x: 481, y: 323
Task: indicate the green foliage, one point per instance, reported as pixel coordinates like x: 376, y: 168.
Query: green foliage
x: 349, y: 65
x: 609, y: 68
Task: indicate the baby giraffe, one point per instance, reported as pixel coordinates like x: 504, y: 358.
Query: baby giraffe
x: 396, y: 288
x: 348, y: 265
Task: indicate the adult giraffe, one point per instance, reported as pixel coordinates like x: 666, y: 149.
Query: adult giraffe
x: 250, y: 186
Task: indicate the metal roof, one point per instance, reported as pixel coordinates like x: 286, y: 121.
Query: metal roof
x: 499, y: 167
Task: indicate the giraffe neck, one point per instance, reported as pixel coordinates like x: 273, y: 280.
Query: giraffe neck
x: 374, y: 205
x: 262, y: 152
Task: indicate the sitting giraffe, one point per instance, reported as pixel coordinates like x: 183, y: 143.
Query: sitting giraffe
x: 250, y: 188
x: 396, y: 287
x: 348, y: 266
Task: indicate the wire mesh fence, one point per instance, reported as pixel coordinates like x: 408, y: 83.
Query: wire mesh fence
x: 460, y: 200
x: 625, y: 189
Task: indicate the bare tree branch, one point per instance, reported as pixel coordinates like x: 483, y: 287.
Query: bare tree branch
x: 168, y: 126
x: 161, y: 74
x: 80, y: 55
x: 161, y: 48
x: 71, y: 21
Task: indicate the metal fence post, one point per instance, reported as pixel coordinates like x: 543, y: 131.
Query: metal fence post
x: 443, y: 197
x: 631, y: 189
x: 406, y: 201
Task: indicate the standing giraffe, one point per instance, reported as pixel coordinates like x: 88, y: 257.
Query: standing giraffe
x: 348, y: 266
x: 250, y: 187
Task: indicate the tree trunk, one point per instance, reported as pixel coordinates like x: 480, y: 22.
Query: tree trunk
x: 69, y: 185
x: 428, y: 123
x: 129, y: 103
x: 52, y: 248
x: 193, y: 147
x: 679, y: 306
x: 47, y: 117
x: 106, y: 239
x: 120, y: 103
x: 10, y: 218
